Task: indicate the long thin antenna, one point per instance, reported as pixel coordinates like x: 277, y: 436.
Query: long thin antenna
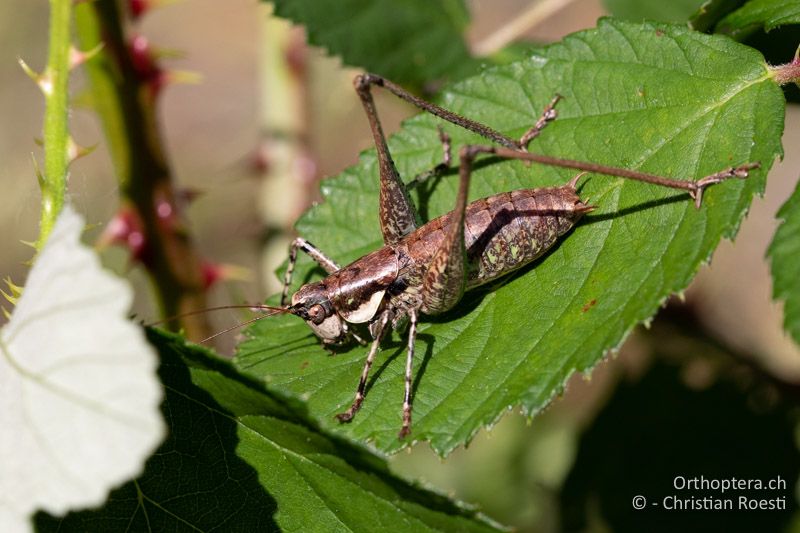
x: 252, y: 307
x: 277, y: 311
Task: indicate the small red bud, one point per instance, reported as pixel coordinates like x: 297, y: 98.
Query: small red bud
x: 261, y: 158
x: 145, y: 65
x: 166, y: 210
x: 216, y: 272
x: 212, y: 273
x: 125, y: 229
x: 140, y: 54
x: 138, y: 7
x: 296, y: 54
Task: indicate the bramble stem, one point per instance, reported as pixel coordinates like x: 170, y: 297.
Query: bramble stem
x: 54, y: 82
x: 786, y: 73
x: 125, y: 94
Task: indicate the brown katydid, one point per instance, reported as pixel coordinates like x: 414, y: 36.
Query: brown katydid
x: 426, y: 269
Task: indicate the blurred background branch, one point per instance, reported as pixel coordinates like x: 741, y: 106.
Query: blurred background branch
x: 126, y: 80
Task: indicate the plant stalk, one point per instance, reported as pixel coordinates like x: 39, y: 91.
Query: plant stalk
x: 54, y: 84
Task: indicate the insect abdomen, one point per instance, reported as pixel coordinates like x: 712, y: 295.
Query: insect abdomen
x: 503, y: 232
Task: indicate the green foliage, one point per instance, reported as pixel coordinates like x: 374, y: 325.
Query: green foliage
x: 758, y: 14
x: 700, y: 431
x: 705, y: 18
x: 411, y: 42
x: 784, y: 253
x: 655, y: 97
x: 637, y: 11
x: 242, y: 458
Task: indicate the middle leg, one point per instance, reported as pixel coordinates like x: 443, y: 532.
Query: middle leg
x: 412, y: 338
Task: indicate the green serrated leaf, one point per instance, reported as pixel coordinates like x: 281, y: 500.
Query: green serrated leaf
x: 411, y: 42
x: 654, y: 97
x: 783, y: 253
x: 242, y: 458
x: 760, y: 14
x: 637, y: 10
x: 710, y: 12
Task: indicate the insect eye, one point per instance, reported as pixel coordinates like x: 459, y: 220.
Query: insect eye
x: 316, y: 313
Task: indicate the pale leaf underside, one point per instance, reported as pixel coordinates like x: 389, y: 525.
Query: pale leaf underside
x: 78, y: 389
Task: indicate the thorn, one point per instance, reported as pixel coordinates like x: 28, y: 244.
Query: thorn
x: 182, y: 77
x: 15, y: 289
x: 6, y: 314
x: 41, y: 79
x: 79, y: 57
x: 46, y: 83
x: 167, y: 53
x: 38, y: 172
x: 29, y: 243
x: 12, y: 300
x: 76, y: 151
x: 145, y: 62
x: 32, y: 74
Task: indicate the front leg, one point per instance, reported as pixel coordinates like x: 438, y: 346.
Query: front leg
x: 315, y: 253
x: 412, y: 338
x: 379, y: 329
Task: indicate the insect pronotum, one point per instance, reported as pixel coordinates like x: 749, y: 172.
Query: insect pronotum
x: 425, y: 269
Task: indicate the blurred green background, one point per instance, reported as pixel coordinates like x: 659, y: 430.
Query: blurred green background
x: 711, y: 389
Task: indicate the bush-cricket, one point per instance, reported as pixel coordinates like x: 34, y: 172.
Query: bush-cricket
x: 425, y: 269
